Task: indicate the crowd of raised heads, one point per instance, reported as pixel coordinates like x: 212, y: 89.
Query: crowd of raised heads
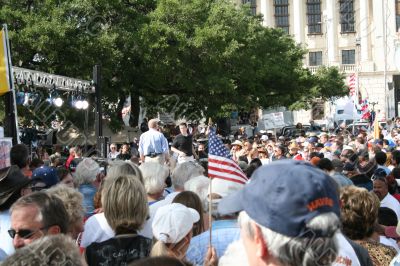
x: 309, y: 198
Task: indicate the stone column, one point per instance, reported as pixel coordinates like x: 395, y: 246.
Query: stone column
x: 331, y: 25
x: 364, y: 31
x: 298, y: 20
x: 267, y: 10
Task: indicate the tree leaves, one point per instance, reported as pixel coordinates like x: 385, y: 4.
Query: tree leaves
x: 212, y: 56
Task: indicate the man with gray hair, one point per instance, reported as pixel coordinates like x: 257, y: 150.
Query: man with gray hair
x: 87, y: 178
x: 183, y: 172
x: 153, y: 146
x: 36, y: 215
x: 289, y: 215
x: 49, y: 250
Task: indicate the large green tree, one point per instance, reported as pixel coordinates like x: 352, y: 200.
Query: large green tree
x: 194, y: 57
x: 217, y: 57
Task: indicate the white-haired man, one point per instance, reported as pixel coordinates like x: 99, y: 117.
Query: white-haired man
x: 153, y: 146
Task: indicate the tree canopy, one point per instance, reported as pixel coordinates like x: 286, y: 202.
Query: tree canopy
x: 195, y: 57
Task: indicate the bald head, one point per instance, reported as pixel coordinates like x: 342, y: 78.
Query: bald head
x: 153, y: 123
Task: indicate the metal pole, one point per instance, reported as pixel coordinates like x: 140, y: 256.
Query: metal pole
x: 358, y: 44
x: 99, y: 113
x: 384, y: 20
x: 85, y: 128
x: 10, y: 102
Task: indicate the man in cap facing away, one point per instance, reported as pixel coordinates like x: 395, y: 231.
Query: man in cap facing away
x: 289, y: 215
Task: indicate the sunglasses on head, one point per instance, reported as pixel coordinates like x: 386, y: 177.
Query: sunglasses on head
x: 378, y: 177
x: 23, y: 233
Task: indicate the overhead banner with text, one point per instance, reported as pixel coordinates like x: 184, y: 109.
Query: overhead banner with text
x: 5, y: 85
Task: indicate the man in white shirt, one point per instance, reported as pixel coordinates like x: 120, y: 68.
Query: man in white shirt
x: 382, y: 191
x: 153, y: 146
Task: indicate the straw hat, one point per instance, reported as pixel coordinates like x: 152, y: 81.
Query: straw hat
x: 237, y: 142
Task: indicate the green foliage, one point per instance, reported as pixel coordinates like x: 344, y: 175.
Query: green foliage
x: 328, y: 84
x: 194, y: 58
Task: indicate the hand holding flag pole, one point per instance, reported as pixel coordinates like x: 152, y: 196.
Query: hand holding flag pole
x: 210, y: 194
x: 221, y: 168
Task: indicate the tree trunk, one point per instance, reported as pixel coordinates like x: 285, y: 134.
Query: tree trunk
x: 120, y: 105
x: 135, y: 109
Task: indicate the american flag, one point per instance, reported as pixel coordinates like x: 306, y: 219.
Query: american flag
x: 220, y: 163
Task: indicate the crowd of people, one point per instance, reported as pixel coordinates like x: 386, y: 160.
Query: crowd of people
x: 311, y: 199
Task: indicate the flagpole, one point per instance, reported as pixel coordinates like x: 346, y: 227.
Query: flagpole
x: 11, y: 81
x: 210, y: 195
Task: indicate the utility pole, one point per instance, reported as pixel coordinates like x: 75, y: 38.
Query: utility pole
x: 100, y: 145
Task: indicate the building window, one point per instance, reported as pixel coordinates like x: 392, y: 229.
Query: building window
x: 315, y: 58
x: 282, y: 14
x: 314, y: 16
x: 253, y: 6
x: 397, y: 15
x: 347, y: 16
x: 348, y: 57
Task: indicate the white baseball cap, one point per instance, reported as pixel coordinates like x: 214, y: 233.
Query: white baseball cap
x: 173, y: 222
x: 264, y: 137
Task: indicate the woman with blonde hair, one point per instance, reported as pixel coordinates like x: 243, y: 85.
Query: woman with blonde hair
x: 97, y: 228
x: 125, y: 208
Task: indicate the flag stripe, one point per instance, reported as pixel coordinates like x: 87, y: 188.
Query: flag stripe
x: 227, y: 178
x: 226, y: 169
x: 216, y: 171
x: 220, y: 163
x: 223, y: 161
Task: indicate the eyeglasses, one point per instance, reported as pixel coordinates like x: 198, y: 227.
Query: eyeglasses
x: 24, y: 233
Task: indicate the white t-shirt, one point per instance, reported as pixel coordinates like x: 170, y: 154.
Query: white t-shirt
x: 6, y: 242
x: 391, y: 202
x: 346, y: 254
x: 97, y: 229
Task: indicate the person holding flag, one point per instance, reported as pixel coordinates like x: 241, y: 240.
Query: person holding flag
x: 226, y: 178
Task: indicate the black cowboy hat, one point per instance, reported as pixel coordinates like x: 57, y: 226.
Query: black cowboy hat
x: 11, y: 181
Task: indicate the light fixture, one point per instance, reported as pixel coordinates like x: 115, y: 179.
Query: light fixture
x: 55, y: 98
x: 85, y: 104
x: 58, y: 102
x: 79, y: 104
x: 79, y: 101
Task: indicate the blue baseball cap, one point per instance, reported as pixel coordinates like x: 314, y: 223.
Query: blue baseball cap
x: 45, y: 174
x: 284, y: 196
x: 313, y: 139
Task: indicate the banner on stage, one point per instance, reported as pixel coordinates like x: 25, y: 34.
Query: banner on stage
x: 5, y: 148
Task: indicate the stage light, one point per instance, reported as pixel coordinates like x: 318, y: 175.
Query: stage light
x: 79, y: 104
x: 85, y: 104
x: 58, y: 102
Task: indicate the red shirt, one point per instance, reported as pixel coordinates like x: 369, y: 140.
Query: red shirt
x: 69, y: 160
